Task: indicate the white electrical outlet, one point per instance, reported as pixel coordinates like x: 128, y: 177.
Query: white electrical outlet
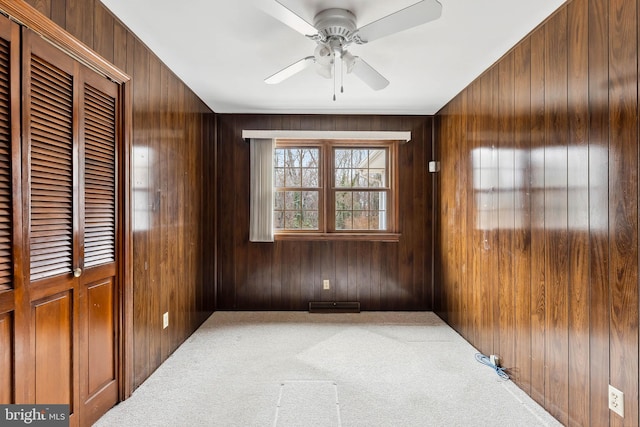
x: 616, y: 400
x: 165, y: 320
x: 326, y: 284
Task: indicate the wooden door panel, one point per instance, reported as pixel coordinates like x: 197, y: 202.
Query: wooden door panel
x: 98, y: 341
x: 101, y: 360
x: 52, y: 326
x: 10, y: 209
x: 9, y: 114
x: 6, y: 358
x: 51, y: 210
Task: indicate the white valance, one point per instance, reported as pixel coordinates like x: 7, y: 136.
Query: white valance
x: 315, y: 134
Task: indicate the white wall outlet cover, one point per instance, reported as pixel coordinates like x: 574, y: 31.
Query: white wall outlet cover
x: 616, y: 400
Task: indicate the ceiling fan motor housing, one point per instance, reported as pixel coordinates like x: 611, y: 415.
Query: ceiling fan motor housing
x: 336, y: 24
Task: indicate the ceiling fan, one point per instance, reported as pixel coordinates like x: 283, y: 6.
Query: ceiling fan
x: 335, y: 29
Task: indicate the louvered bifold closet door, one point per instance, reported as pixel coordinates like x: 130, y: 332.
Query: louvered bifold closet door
x: 10, y: 205
x: 97, y: 285
x: 70, y: 129
x: 50, y: 150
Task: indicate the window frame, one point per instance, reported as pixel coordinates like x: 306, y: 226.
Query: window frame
x: 327, y: 190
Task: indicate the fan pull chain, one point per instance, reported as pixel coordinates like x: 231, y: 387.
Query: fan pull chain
x: 334, y: 77
x: 342, y: 76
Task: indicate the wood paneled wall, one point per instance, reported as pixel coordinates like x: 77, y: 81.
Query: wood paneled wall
x: 286, y: 275
x: 537, y: 257
x: 172, y: 133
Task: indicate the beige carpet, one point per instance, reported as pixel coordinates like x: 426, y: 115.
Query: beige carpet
x: 285, y: 369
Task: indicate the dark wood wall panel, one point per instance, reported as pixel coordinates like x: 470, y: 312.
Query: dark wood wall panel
x: 522, y: 230
x: 173, y: 134
x: 79, y: 19
x: 141, y: 203
x: 578, y: 240
x: 206, y: 295
x: 537, y: 216
x: 599, y: 310
x: 286, y: 275
x: 623, y: 199
x: 556, y: 210
x: 537, y: 207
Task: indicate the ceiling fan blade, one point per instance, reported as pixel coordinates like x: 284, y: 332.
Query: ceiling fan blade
x: 287, y: 16
x: 369, y: 75
x: 289, y: 71
x: 409, y: 17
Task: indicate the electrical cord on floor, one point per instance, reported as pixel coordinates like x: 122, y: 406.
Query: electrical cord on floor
x: 486, y: 361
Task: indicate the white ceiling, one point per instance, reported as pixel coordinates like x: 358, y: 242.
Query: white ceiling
x: 224, y: 49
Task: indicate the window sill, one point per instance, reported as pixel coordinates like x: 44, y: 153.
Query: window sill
x: 366, y: 237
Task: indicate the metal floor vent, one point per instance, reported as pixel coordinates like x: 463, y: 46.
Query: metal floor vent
x: 334, y: 307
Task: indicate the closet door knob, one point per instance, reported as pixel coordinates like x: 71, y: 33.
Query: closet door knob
x: 77, y: 272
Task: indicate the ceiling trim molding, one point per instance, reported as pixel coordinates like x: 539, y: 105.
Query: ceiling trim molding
x: 404, y: 136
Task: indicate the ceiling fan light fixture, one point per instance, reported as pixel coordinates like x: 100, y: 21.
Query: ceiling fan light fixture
x: 323, y: 54
x: 348, y: 61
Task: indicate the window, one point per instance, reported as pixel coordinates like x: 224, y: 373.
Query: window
x: 298, y: 188
x: 334, y: 189
x: 360, y: 188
